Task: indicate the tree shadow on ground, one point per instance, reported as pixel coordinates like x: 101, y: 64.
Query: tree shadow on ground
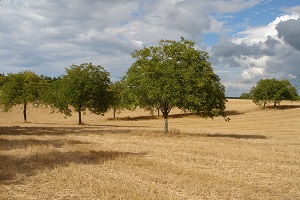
x: 283, y: 107
x: 39, y: 131
x: 114, y: 126
x: 233, y: 112
x: 235, y: 136
x: 14, y: 169
x: 171, y: 116
x: 6, y: 144
x: 151, y: 117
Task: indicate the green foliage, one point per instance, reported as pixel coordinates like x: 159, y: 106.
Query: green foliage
x: 49, y: 92
x: 117, y: 101
x: 245, y: 96
x: 84, y: 87
x: 121, y: 98
x: 273, y: 91
x: 20, y: 89
x: 3, y: 79
x: 175, y: 74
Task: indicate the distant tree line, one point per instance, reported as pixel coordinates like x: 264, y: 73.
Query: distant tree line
x: 271, y: 91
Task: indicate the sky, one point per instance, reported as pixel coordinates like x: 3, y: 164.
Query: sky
x: 247, y: 40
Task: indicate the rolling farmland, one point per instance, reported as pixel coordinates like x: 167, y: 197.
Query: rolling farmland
x: 254, y: 156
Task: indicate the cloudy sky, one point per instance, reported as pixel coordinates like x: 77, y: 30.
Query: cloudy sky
x: 247, y: 39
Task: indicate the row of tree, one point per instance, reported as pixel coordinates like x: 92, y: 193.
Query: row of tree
x: 84, y: 87
x: 164, y: 76
x: 271, y: 91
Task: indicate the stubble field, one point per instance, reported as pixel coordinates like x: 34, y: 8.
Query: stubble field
x: 255, y: 156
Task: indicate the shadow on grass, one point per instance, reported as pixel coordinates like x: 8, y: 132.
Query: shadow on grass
x: 171, y: 116
x: 136, y: 118
x: 232, y: 112
x: 13, y: 170
x: 235, y: 136
x: 23, y: 143
x: 16, y: 130
x: 283, y: 107
x: 151, y: 117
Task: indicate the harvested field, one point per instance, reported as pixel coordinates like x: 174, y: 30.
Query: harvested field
x: 255, y: 156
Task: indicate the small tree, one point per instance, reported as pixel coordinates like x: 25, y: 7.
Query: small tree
x: 245, y: 96
x: 117, y: 102
x: 175, y: 74
x: 84, y: 87
x: 20, y: 89
x: 272, y: 91
x: 49, y: 92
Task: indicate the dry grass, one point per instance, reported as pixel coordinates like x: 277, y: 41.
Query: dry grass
x: 255, y: 156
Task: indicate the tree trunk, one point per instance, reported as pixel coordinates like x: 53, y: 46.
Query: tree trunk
x: 264, y: 104
x: 24, y: 112
x: 165, y: 109
x: 275, y: 104
x: 79, y: 115
x: 166, y: 126
x: 115, y: 113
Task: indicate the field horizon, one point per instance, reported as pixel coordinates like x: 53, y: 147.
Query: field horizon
x: 254, y: 156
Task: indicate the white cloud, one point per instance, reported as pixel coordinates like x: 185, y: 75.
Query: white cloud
x: 252, y: 72
x: 291, y: 76
x: 259, y: 34
x: 259, y: 53
x: 236, y: 89
x: 47, y: 36
x: 292, y: 10
x: 216, y: 26
x: 233, y: 5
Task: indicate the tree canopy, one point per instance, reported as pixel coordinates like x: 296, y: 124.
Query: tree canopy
x: 273, y: 91
x: 117, y: 102
x: 84, y: 87
x: 20, y: 89
x: 245, y: 96
x: 2, y: 79
x: 175, y: 74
